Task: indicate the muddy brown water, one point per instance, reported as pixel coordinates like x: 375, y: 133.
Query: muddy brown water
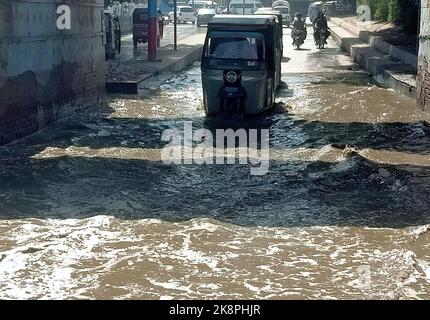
x: 87, y: 210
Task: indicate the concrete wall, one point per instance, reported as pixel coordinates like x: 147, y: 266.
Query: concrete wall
x: 45, y: 73
x: 126, y: 24
x: 424, y: 58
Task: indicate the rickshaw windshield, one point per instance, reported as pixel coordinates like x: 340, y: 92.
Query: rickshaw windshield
x: 140, y: 16
x: 234, y: 45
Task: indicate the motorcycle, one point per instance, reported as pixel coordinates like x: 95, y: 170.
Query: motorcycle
x: 298, y: 38
x: 321, y: 38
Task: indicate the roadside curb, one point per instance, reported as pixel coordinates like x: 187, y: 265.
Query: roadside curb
x: 383, y: 67
x: 378, y: 43
x: 131, y: 87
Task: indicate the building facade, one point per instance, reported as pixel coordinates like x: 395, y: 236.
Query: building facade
x: 48, y: 72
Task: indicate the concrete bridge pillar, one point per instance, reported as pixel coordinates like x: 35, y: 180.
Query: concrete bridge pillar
x: 48, y: 71
x: 424, y: 58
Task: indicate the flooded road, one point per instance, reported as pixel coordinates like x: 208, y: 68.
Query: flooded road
x: 88, y: 210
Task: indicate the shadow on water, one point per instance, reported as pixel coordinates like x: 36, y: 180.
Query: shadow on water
x: 286, y: 131
x: 353, y: 192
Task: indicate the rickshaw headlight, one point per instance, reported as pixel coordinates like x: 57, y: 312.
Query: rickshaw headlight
x: 231, y: 76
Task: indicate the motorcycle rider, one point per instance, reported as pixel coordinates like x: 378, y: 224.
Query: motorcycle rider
x: 160, y: 23
x: 299, y: 25
x: 320, y: 23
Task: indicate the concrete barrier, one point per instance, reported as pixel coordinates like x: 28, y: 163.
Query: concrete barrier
x: 392, y: 73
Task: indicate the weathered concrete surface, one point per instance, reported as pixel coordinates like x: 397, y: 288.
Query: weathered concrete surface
x: 364, y: 31
x: 46, y: 73
x: 386, y: 68
x: 423, y: 92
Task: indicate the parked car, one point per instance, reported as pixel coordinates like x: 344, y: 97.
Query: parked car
x: 204, y: 16
x: 202, y: 4
x: 184, y: 14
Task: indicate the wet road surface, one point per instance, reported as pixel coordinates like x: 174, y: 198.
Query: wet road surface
x: 88, y: 210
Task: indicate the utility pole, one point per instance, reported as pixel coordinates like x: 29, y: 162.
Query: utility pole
x: 175, y: 31
x: 423, y: 79
x: 152, y: 30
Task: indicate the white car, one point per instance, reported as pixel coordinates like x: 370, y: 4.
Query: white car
x: 184, y: 14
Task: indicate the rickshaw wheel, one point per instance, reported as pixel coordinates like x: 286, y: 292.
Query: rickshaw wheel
x: 118, y: 45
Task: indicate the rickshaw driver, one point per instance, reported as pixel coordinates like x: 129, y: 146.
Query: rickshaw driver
x: 236, y: 49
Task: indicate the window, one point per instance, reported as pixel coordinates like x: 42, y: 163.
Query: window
x: 187, y: 10
x: 229, y: 47
x: 240, y: 6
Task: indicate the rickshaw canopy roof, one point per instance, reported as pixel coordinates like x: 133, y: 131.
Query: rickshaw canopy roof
x: 280, y: 3
x: 242, y: 19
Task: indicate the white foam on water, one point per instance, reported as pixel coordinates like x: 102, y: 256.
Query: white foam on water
x: 105, y: 256
x: 197, y: 256
x: 425, y: 266
x: 173, y: 285
x: 417, y: 232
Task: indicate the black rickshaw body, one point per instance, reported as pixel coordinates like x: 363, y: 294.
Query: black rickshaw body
x: 279, y: 27
x: 240, y: 66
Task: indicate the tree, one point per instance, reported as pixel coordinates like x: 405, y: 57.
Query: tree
x: 403, y: 12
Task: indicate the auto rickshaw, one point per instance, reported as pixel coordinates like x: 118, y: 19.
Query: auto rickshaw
x: 278, y: 14
x: 240, y: 65
x: 141, y: 26
x: 279, y: 33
